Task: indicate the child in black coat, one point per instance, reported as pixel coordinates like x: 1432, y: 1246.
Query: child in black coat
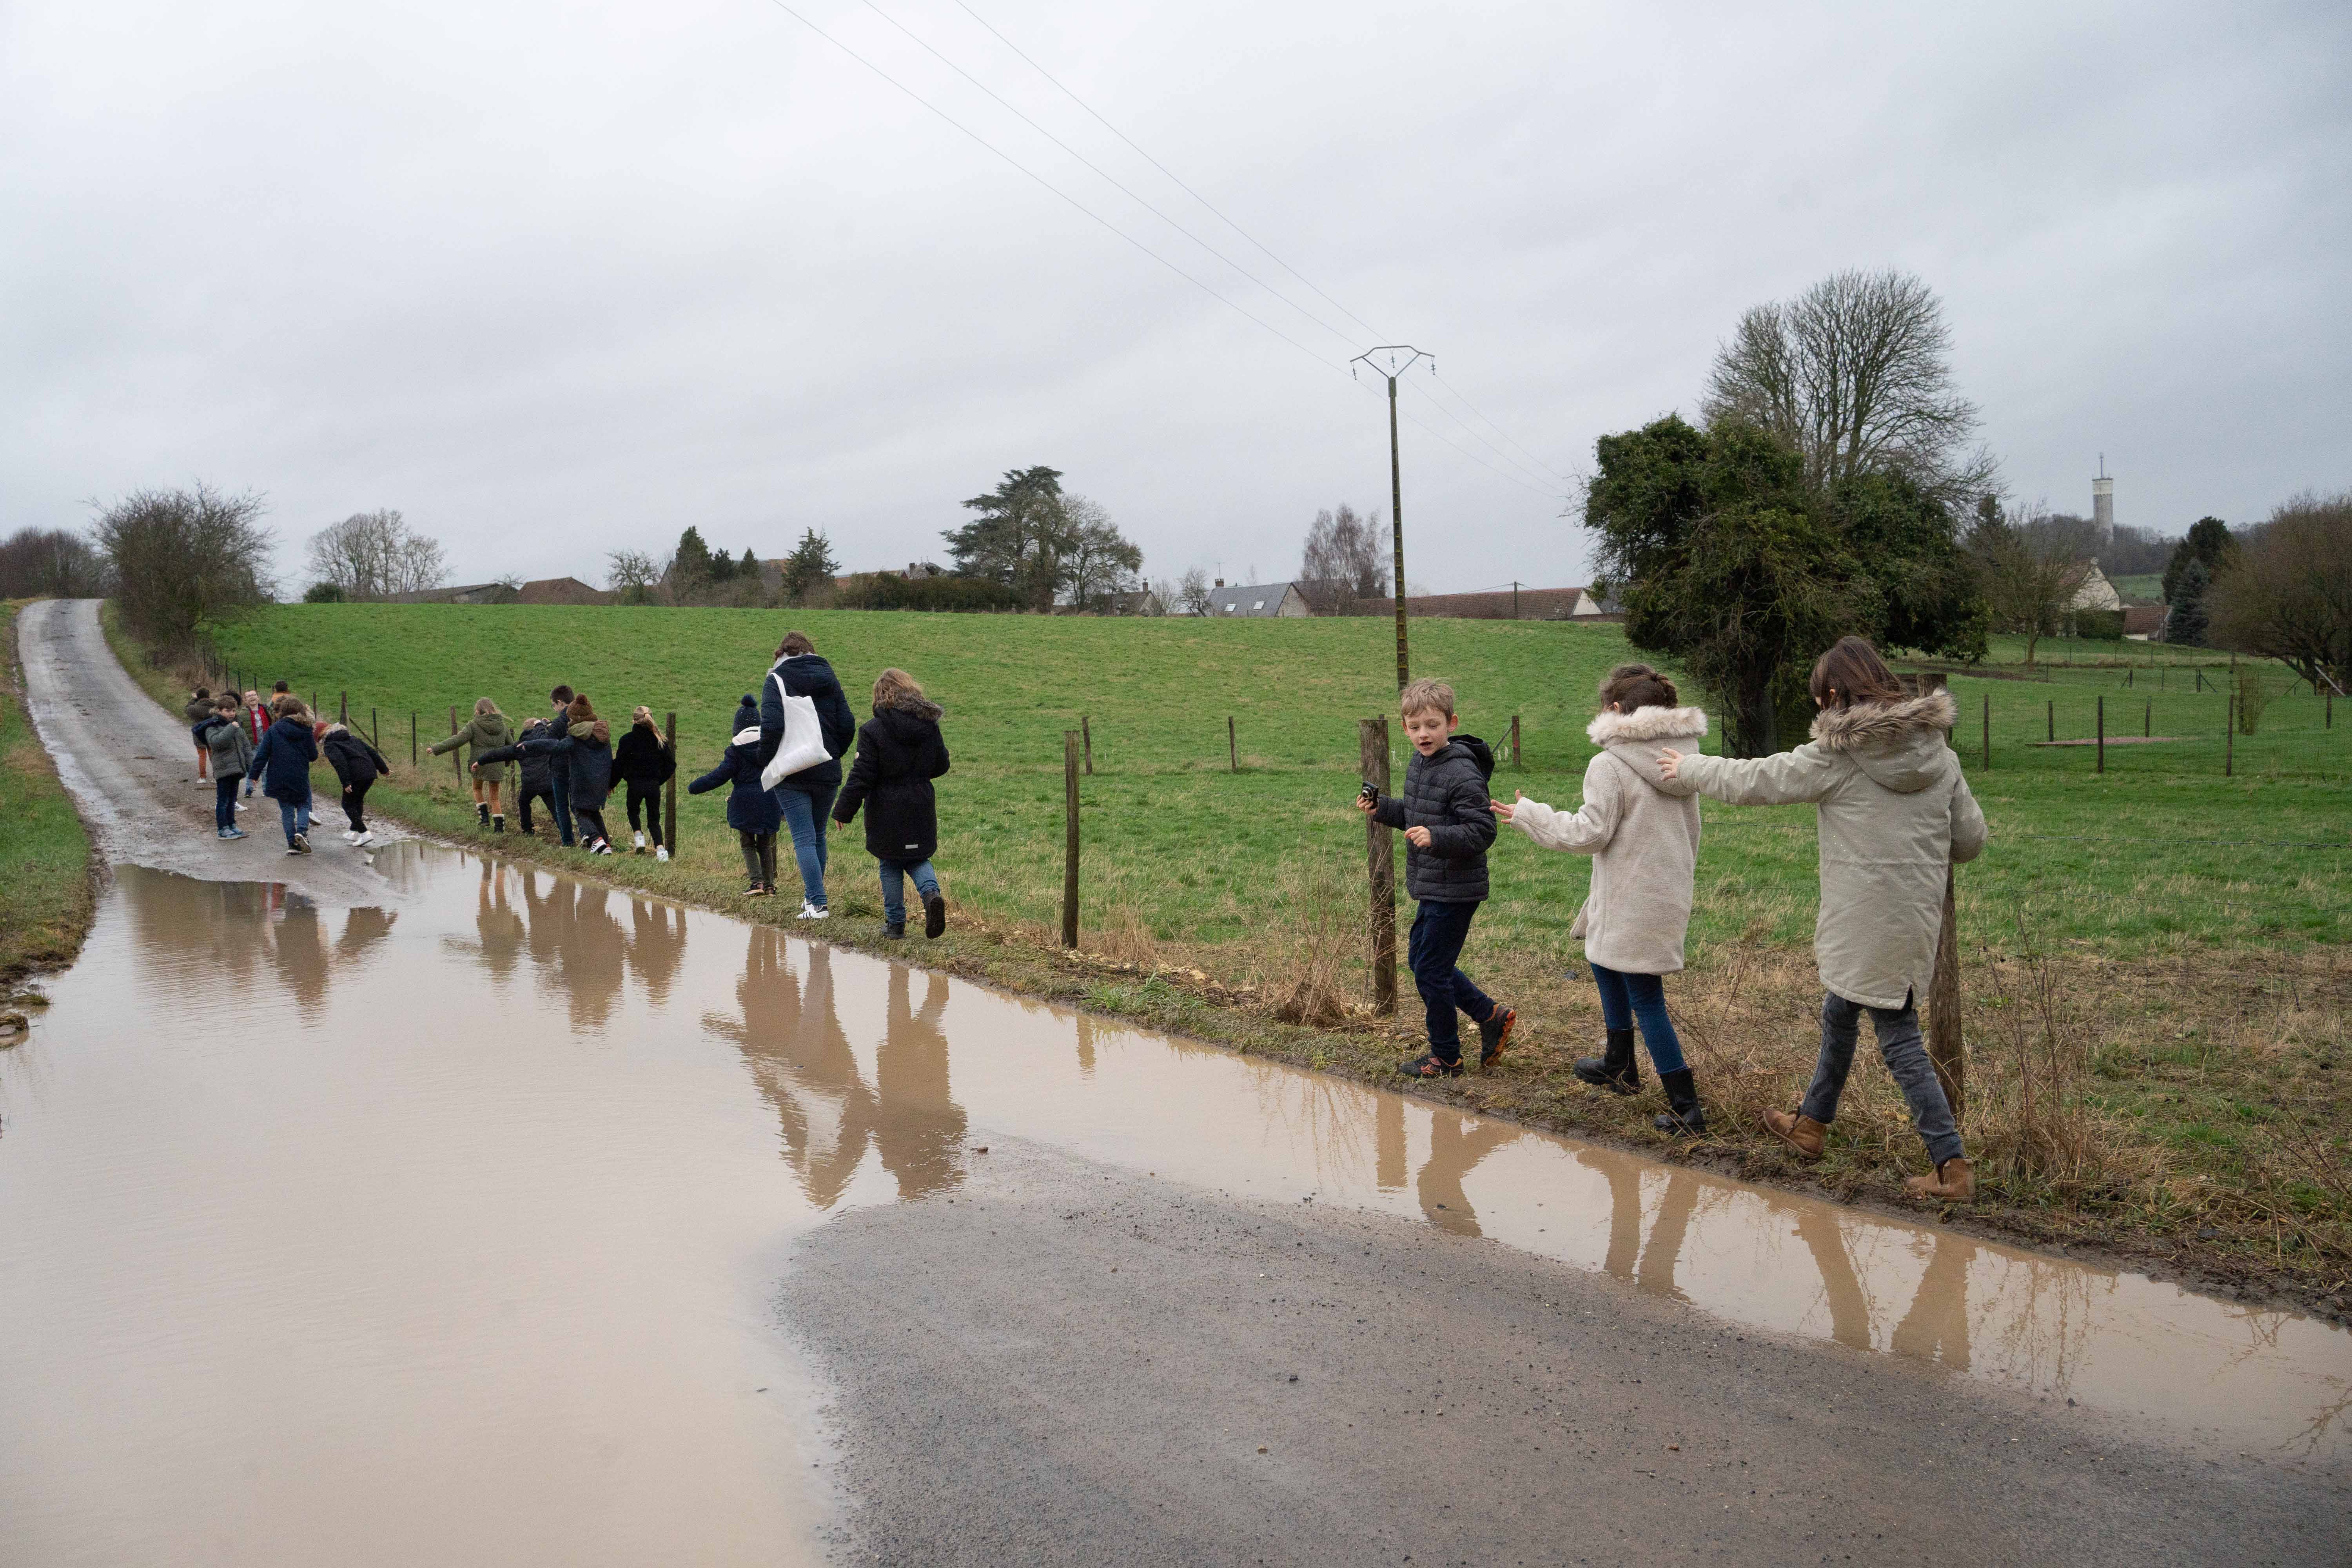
x: 899, y: 752
x: 644, y: 764
x: 357, y: 765
x: 752, y: 809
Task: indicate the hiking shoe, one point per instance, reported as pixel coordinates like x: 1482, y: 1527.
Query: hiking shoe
x: 1955, y: 1180
x: 896, y: 931
x: 1493, y: 1034
x: 1431, y: 1066
x: 1798, y: 1131
x: 935, y: 915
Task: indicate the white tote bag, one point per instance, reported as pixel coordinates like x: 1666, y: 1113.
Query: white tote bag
x: 803, y: 742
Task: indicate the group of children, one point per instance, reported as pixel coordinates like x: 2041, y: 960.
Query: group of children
x: 1894, y: 813
x: 275, y: 743
x: 567, y: 762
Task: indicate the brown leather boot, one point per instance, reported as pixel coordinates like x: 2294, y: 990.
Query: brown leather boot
x: 1798, y: 1131
x: 1955, y: 1181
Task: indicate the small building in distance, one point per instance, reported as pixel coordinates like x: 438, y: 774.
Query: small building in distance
x: 2092, y: 589
x: 560, y: 591
x: 2145, y: 622
x: 1257, y: 601
x: 1141, y: 602
x: 464, y: 594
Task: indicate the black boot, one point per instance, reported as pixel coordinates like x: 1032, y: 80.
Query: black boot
x: 1615, y: 1069
x: 1682, y: 1113
x: 498, y: 823
x: 895, y: 929
x: 483, y: 811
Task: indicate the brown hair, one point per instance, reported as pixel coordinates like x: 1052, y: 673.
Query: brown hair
x: 1632, y: 685
x: 1852, y: 672
x: 794, y: 645
x: 286, y: 705
x: 560, y: 694
x: 893, y: 686
x: 225, y: 703
x: 1424, y: 695
x: 483, y: 705
x: 579, y: 711
x: 277, y: 686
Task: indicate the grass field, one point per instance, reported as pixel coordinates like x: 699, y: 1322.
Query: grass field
x: 2165, y: 944
x: 46, y: 894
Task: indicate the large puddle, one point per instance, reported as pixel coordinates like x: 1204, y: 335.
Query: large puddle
x: 340, y: 1236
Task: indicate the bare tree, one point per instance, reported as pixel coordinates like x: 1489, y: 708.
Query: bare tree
x: 50, y: 562
x: 2286, y: 592
x: 2030, y: 569
x: 375, y: 556
x: 1193, y: 594
x: 1098, y: 562
x: 182, y: 558
x: 1855, y: 372
x: 1345, y: 558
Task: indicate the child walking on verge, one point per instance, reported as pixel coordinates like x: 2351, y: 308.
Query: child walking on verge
x: 1895, y: 814
x: 357, y: 766
x: 223, y: 735
x: 899, y: 752
x: 488, y: 731
x: 752, y: 809
x: 1642, y: 832
x: 642, y: 762
x: 1448, y: 823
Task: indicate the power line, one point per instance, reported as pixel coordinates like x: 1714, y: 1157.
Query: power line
x: 1506, y: 435
x: 1480, y: 437
x: 1164, y: 169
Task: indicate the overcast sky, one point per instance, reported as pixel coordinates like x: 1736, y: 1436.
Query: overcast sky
x: 555, y: 280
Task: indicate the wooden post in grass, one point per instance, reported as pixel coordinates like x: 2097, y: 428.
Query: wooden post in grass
x: 2147, y: 719
x: 1087, y: 742
x: 2103, y: 732
x: 2054, y: 719
x: 456, y: 768
x: 375, y: 732
x: 1070, y: 838
x: 412, y: 737
x: 669, y: 789
x: 344, y: 706
x: 1232, y: 753
x: 1380, y: 861
x: 2230, y: 745
x: 1944, y: 1046
x: 1515, y: 736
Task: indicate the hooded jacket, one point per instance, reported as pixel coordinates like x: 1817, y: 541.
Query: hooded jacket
x: 1895, y: 814
x: 355, y: 763
x: 807, y: 675
x: 1445, y: 792
x: 1642, y: 831
x: 640, y: 757
x: 283, y: 760
x: 751, y: 808
x: 586, y: 750
x: 483, y: 732
x: 232, y: 752
x: 899, y: 752
x: 198, y: 710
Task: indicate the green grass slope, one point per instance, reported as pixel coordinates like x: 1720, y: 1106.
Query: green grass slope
x: 46, y: 894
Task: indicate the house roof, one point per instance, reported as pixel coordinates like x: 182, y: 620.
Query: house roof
x: 1241, y: 600
x: 560, y: 591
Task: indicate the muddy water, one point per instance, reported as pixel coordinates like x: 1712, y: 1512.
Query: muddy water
x: 452, y: 1234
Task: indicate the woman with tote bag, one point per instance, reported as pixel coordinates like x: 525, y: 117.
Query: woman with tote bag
x: 805, y: 725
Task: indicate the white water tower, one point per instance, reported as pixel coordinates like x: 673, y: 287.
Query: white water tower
x: 2103, y: 505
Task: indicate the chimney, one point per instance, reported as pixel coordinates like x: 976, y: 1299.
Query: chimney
x: 1221, y: 581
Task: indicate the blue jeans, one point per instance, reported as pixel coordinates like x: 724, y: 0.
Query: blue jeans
x: 804, y: 808
x: 893, y: 886
x: 225, y: 801
x: 1905, y: 1053
x: 1438, y: 932
x: 559, y: 779
x: 295, y: 816
x: 1627, y: 999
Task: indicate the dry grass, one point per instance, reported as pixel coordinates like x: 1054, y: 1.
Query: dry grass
x: 1319, y: 933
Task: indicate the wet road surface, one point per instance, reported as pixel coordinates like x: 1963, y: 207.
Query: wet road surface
x: 506, y: 1219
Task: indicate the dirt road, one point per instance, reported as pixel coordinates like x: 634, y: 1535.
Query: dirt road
x: 131, y: 769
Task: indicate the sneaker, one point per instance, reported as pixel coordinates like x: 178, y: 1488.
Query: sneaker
x: 291, y: 850
x: 935, y: 915
x: 351, y: 835
x: 662, y: 853
x: 366, y: 840
x: 894, y: 930
x: 639, y: 847
x: 235, y: 833
x: 1431, y: 1066
x: 1493, y: 1034
x: 756, y: 890
x: 810, y: 912
x: 220, y: 833
x: 301, y: 844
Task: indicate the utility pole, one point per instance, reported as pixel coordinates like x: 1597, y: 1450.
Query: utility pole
x: 1396, y: 480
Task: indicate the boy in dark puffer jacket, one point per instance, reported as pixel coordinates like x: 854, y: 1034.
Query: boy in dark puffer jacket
x: 1448, y: 825
x: 752, y: 809
x: 899, y: 753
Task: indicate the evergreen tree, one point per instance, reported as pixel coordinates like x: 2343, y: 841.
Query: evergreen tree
x: 809, y: 565
x: 2187, y: 624
x: 692, y: 563
x: 2208, y: 541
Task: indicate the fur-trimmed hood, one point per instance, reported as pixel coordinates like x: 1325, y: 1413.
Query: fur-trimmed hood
x: 1635, y: 739
x: 1901, y: 745
x: 913, y: 702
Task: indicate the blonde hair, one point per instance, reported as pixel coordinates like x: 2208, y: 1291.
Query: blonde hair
x: 1423, y: 696
x: 484, y: 707
x: 893, y: 684
x: 643, y: 715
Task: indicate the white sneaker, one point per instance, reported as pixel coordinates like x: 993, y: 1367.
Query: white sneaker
x: 364, y: 840
x: 640, y: 844
x: 351, y: 835
x: 662, y: 853
x: 810, y: 912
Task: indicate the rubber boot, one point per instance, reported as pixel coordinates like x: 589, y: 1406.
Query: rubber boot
x: 498, y: 822
x: 1615, y: 1070
x: 1682, y: 1114
x: 1955, y: 1181
x: 482, y: 810
x: 1798, y: 1131
x: 768, y: 861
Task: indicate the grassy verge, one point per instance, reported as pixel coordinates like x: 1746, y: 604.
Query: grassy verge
x: 47, y: 888
x: 2155, y: 980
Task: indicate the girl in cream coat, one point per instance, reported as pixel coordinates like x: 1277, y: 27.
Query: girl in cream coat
x: 1642, y: 831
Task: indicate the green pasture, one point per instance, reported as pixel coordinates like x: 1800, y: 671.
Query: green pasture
x: 2160, y: 852
x: 45, y: 883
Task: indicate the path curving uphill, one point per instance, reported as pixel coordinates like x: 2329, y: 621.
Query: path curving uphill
x: 131, y: 769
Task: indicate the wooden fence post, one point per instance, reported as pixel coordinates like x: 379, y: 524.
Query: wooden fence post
x: 1070, y: 838
x: 1515, y: 740
x: 2147, y: 719
x: 412, y: 737
x: 1233, y: 754
x: 2230, y: 746
x: 375, y: 732
x: 1380, y: 859
x: 1946, y: 1048
x: 1087, y: 742
x: 2053, y: 720
x: 2103, y: 732
x: 669, y: 788
x: 343, y: 706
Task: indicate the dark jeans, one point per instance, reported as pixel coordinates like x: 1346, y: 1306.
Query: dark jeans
x: 1906, y: 1053
x: 1438, y: 932
x: 591, y: 825
x: 559, y: 782
x: 893, y: 886
x: 649, y: 799
x: 355, y: 804
x: 1627, y: 999
x: 758, y: 858
x: 804, y: 808
x: 294, y: 816
x: 225, y: 801
x: 523, y: 807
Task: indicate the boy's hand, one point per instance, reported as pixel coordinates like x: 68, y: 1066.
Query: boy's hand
x: 1417, y: 837
x: 1364, y: 805
x: 1670, y: 763
x: 1503, y: 811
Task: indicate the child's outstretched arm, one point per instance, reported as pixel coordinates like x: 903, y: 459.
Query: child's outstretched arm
x: 1969, y: 829
x: 1584, y: 831
x: 724, y: 772
x: 1806, y: 774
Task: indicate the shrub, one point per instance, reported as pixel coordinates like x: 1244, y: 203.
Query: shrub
x: 890, y: 591
x: 2099, y: 626
x: 180, y: 558
x: 323, y: 593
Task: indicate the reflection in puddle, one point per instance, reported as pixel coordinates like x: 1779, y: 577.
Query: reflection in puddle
x: 315, y: 1212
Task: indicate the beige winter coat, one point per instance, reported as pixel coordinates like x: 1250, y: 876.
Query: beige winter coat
x: 1894, y: 813
x: 1642, y: 832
